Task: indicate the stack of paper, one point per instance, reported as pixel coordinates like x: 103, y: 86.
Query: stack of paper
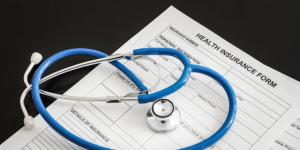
x: 266, y: 100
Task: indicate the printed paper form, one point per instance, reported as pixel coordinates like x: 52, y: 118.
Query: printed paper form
x: 290, y: 139
x: 264, y: 109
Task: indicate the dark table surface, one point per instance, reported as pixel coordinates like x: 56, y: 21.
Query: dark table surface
x: 267, y: 30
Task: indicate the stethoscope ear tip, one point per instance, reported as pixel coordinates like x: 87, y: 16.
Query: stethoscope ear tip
x: 36, y: 58
x: 29, y: 122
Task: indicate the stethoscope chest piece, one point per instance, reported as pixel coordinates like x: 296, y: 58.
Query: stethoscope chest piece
x: 163, y: 117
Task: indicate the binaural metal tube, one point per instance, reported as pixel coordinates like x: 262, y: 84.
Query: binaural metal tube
x: 57, y: 73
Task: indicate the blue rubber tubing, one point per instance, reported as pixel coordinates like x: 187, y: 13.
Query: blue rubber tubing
x: 231, y: 113
x: 41, y: 108
x: 189, y: 68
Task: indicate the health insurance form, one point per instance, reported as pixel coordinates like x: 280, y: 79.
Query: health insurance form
x: 266, y: 100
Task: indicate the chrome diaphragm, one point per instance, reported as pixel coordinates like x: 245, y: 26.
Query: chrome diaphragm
x: 163, y: 117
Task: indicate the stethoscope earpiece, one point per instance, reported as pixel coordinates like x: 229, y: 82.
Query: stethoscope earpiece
x: 29, y: 122
x: 36, y: 58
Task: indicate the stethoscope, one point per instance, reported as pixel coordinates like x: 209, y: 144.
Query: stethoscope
x: 164, y: 115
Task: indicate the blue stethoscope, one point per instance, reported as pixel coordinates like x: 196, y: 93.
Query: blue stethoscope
x: 163, y: 116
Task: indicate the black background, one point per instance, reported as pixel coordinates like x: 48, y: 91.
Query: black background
x: 267, y: 30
